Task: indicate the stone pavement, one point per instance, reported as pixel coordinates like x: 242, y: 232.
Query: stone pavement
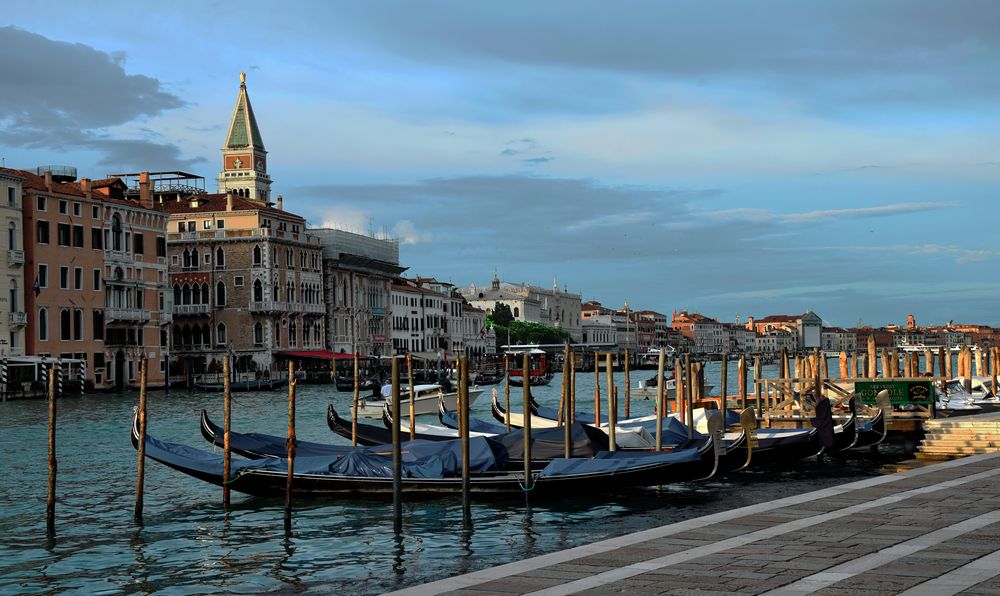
x: 929, y: 531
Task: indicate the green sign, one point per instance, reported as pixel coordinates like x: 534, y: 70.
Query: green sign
x: 919, y: 393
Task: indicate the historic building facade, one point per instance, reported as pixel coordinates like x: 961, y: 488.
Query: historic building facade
x: 246, y: 278
x: 13, y: 317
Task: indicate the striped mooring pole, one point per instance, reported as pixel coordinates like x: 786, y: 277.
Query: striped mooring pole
x: 3, y: 375
x: 45, y: 374
x: 83, y: 375
x: 59, y: 376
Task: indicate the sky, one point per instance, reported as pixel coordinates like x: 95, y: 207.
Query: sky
x: 733, y: 158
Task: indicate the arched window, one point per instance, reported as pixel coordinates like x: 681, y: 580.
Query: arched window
x: 258, y: 291
x: 220, y: 294
x: 258, y: 335
x: 292, y: 336
x: 257, y: 255
x: 220, y: 334
x: 220, y: 258
x: 116, y: 232
x: 177, y: 336
x: 43, y: 324
x: 186, y: 294
x: 64, y: 327
x: 177, y: 294
x: 194, y: 258
x: 204, y: 293
x: 12, y: 236
x: 517, y: 312
x: 275, y: 290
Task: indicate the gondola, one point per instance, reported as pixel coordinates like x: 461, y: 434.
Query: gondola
x: 534, y: 381
x: 431, y: 468
x: 370, y: 434
x: 259, y: 446
x: 871, y: 432
x: 255, y: 385
x: 488, y: 377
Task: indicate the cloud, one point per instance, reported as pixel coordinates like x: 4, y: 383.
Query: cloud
x: 537, y: 161
x: 61, y: 96
x: 344, y: 217
x: 407, y: 233
x: 755, y: 214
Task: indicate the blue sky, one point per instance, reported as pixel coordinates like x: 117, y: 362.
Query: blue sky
x: 734, y: 158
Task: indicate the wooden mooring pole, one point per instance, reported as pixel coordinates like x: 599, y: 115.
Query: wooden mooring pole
x: 742, y: 380
x: 758, y: 371
x: 724, y: 384
x: 290, y: 446
x: 413, y: 401
x: 506, y: 393
x: 140, y: 476
x: 679, y: 388
x: 397, y: 455
x: 928, y: 362
x: 50, y: 502
x: 227, y: 409
x: 572, y: 388
x: 565, y: 413
x: 526, y: 428
x: 612, y: 404
x: 688, y: 394
x: 357, y: 398
x: 628, y: 385
x: 597, y: 390
x: 463, y: 392
x: 661, y: 399
x: 872, y: 365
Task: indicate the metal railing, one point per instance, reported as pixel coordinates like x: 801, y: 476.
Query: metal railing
x: 192, y: 309
x: 15, y: 257
x: 18, y: 318
x: 268, y: 306
x: 126, y: 314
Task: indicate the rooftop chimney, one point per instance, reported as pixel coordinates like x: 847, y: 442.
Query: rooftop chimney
x: 85, y: 186
x: 280, y: 203
x: 229, y: 201
x: 48, y: 179
x: 145, y: 191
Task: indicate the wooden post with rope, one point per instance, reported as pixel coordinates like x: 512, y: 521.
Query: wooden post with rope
x: 227, y: 409
x: 141, y: 467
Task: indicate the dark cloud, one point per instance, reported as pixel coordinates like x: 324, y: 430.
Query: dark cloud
x: 912, y: 51
x: 537, y: 161
x: 59, y: 95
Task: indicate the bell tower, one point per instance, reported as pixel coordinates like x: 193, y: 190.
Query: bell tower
x: 244, y: 159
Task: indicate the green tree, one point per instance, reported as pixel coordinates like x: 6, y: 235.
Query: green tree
x: 502, y: 316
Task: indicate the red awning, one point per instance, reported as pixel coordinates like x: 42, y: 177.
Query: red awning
x: 318, y: 354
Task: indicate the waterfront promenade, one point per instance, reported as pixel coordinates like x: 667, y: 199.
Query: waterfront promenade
x: 929, y: 531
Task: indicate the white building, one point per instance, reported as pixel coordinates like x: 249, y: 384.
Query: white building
x: 552, y: 307
x: 12, y: 310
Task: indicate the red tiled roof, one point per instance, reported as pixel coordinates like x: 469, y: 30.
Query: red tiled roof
x: 32, y: 181
x: 208, y: 203
x: 413, y: 289
x: 779, y: 319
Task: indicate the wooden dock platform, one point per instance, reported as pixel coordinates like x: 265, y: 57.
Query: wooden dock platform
x: 933, y: 530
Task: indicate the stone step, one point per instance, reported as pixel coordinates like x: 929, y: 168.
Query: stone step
x: 956, y: 450
x: 959, y: 443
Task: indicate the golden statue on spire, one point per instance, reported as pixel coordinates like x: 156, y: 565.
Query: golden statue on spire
x: 243, y: 78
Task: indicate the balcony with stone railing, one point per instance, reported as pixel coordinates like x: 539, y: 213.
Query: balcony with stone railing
x: 268, y: 306
x: 15, y: 257
x: 18, y: 319
x: 192, y: 309
x: 317, y: 309
x: 126, y: 315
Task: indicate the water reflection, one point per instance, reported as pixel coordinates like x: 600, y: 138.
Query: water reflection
x: 189, y: 543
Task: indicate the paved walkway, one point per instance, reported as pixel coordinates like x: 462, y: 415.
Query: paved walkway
x: 930, y: 531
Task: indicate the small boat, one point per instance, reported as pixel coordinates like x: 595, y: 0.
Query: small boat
x: 255, y: 385
x: 488, y: 377
x: 347, y: 384
x: 433, y: 468
x: 647, y: 389
x: 427, y: 400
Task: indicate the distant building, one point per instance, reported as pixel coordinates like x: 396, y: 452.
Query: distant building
x: 358, y: 271
x: 806, y: 327
x: 706, y: 334
x: 838, y: 339
x: 552, y: 307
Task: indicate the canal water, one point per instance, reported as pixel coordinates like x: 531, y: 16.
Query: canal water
x: 189, y: 544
